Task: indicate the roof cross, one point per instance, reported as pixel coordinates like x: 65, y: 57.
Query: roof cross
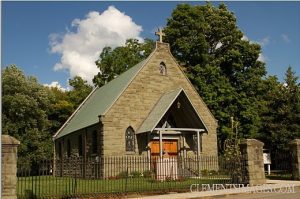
x: 160, y: 34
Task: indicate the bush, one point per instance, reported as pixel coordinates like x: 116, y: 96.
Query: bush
x: 135, y: 174
x: 147, y: 174
x: 122, y: 174
x: 213, y: 172
x: 204, y: 172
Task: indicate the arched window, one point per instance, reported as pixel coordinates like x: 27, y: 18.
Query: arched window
x: 129, y: 139
x: 162, y: 68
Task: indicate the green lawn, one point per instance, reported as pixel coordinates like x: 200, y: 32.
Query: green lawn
x: 42, y: 186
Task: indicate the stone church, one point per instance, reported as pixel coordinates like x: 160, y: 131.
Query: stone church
x: 149, y: 110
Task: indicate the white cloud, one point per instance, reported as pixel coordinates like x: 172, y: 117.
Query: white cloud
x: 265, y: 41
x: 80, y: 49
x: 245, y: 38
x: 262, y: 58
x: 285, y: 38
x: 56, y: 85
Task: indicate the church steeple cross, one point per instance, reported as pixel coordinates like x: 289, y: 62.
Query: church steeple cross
x: 160, y: 34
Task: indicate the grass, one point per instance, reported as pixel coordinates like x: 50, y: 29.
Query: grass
x: 280, y: 175
x: 43, y: 186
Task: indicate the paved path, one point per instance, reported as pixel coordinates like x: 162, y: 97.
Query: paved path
x: 245, y: 193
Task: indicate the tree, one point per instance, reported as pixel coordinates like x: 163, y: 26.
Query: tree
x: 63, y: 103
x: 60, y: 109
x: 281, y: 119
x: 80, y: 90
x: 222, y: 66
x: 113, y: 62
x: 24, y: 114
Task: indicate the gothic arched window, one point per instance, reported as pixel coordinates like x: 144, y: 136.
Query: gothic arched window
x: 129, y: 139
x: 162, y: 68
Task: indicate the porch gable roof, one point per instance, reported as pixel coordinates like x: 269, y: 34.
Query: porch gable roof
x: 161, y: 108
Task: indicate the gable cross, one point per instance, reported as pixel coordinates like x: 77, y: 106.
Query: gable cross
x: 160, y: 34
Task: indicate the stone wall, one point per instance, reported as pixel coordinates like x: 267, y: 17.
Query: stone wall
x: 85, y: 133
x: 136, y: 102
x: 9, y: 167
x: 252, y: 150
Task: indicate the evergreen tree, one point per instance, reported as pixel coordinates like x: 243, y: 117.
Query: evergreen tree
x: 281, y: 119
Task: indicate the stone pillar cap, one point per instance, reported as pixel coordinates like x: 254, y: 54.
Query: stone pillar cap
x: 9, y: 140
x: 251, y: 142
x: 295, y: 141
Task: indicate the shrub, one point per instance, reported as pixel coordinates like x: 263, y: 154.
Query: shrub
x: 213, y: 172
x: 122, y: 174
x: 168, y: 179
x: 147, y: 174
x: 204, y: 172
x: 135, y: 174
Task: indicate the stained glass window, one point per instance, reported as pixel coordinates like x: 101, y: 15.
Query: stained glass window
x: 129, y: 139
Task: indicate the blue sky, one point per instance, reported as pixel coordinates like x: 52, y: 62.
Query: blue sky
x: 39, y: 37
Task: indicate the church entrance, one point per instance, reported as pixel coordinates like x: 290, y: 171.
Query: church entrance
x: 170, y: 147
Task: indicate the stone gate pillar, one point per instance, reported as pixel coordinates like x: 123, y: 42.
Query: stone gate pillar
x: 295, y: 150
x: 9, y: 167
x: 252, y: 150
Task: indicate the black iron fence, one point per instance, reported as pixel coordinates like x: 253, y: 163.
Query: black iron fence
x: 75, y: 177
x: 281, y: 165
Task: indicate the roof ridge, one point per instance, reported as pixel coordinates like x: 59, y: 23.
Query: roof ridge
x: 120, y: 83
x: 177, y: 91
x: 142, y: 64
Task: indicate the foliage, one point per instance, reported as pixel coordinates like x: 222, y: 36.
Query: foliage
x: 122, y: 174
x: 32, y: 113
x: 220, y: 63
x: 60, y: 109
x: 113, y: 62
x: 281, y: 120
x: 64, y: 103
x: 148, y: 174
x: 24, y: 114
x: 135, y: 174
x: 222, y: 66
x: 81, y: 89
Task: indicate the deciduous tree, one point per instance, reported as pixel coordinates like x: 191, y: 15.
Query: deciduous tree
x: 113, y: 62
x: 220, y: 63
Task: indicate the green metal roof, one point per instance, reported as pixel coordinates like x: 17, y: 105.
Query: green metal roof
x: 98, y: 102
x: 161, y: 107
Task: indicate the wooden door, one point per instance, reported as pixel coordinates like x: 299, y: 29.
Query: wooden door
x: 169, y: 146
